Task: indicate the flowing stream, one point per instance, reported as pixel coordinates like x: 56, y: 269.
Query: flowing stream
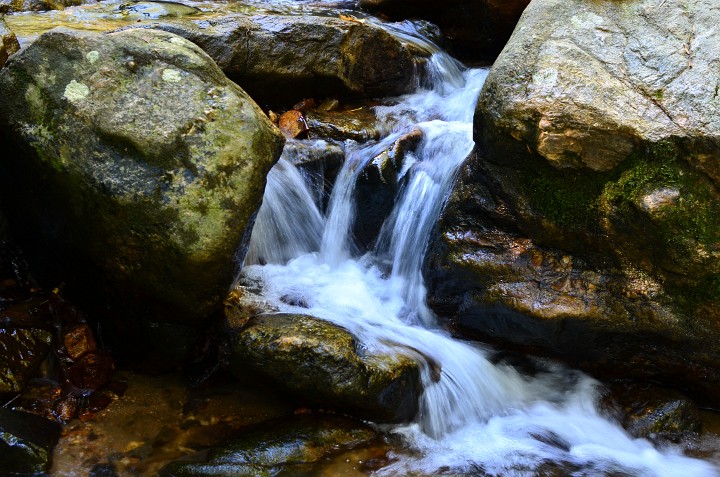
x: 478, y: 418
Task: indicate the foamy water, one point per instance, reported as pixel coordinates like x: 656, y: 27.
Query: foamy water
x: 478, y: 417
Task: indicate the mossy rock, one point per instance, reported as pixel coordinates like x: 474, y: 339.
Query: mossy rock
x: 323, y: 364
x: 133, y: 168
x: 586, y: 224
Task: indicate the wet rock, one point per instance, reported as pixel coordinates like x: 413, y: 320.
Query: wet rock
x: 8, y: 42
x: 136, y: 167
x: 22, y: 350
x: 91, y: 371
x: 26, y: 443
x: 324, y: 365
x: 244, y: 302
x: 359, y: 125
x: 377, y: 186
x: 305, y: 105
x: 290, y: 446
x: 320, y: 162
x: 656, y: 413
x: 476, y: 29
x: 280, y: 58
x: 589, y: 228
x: 79, y: 341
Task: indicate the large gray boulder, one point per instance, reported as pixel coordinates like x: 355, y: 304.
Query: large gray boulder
x: 133, y: 168
x: 584, y: 83
x: 587, y: 223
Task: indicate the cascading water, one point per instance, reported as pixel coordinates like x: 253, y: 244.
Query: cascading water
x: 478, y: 418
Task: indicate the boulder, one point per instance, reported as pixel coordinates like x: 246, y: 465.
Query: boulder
x: 476, y: 29
x: 284, y: 447
x: 26, y: 443
x: 133, y: 168
x: 282, y: 58
x: 8, y: 42
x: 587, y: 223
x: 323, y: 364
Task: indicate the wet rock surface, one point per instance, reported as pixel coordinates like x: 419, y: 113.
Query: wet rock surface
x: 323, y: 364
x: 290, y: 446
x: 22, y: 350
x: 587, y: 228
x: 377, y: 186
x: 26, y: 442
x: 136, y: 168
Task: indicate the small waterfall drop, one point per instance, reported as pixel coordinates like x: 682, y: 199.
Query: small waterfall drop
x: 478, y: 418
x: 289, y: 223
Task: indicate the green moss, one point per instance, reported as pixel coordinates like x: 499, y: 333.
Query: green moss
x: 577, y: 200
x: 688, y: 298
x: 568, y: 198
x: 696, y: 214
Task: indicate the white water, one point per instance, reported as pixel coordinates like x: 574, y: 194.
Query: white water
x: 479, y: 418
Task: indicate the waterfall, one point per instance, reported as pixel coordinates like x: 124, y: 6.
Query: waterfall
x: 479, y: 417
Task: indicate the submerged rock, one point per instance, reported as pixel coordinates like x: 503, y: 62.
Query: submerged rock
x: 281, y: 58
x: 133, y: 168
x: 285, y: 447
x: 323, y: 364
x: 8, y: 42
x: 26, y: 443
x: 474, y: 28
x: 587, y: 223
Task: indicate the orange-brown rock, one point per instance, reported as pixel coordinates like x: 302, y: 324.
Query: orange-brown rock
x: 79, y: 341
x: 292, y: 123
